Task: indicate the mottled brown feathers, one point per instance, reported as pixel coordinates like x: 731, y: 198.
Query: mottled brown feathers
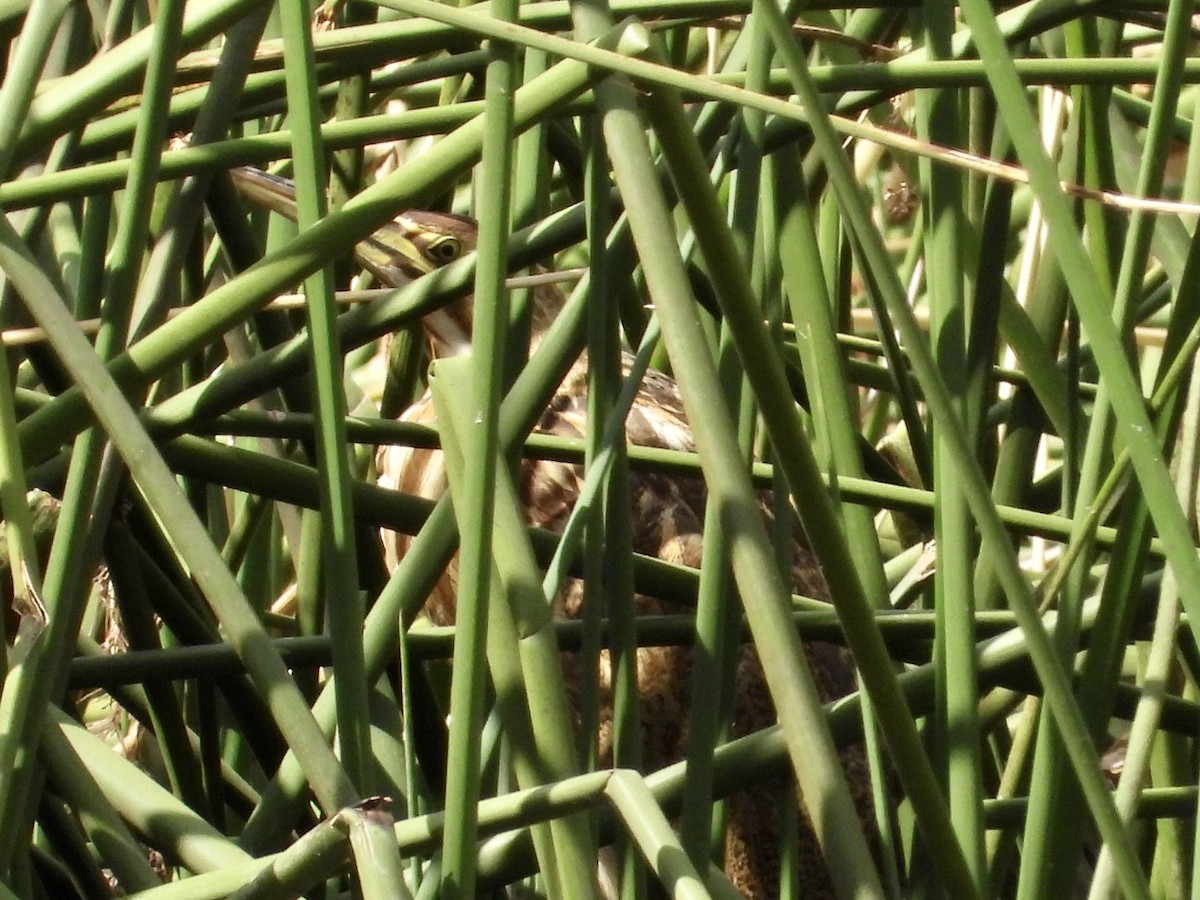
x: 667, y: 516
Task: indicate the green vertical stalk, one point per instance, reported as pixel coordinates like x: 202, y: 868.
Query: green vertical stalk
x: 814, y: 505
x: 591, y: 19
x: 608, y: 584
x: 821, y: 357
x: 346, y: 173
x: 715, y: 657
x: 1046, y: 306
x: 129, y: 243
x: 22, y: 555
x: 531, y: 192
x: 991, y: 206
x: 344, y: 608
x: 1052, y: 795
x: 956, y: 725
x: 523, y: 655
x: 476, y: 506
x: 766, y: 599
x: 608, y: 577
x: 1090, y: 300
x: 587, y: 515
x: 1094, y: 157
x: 1023, y: 130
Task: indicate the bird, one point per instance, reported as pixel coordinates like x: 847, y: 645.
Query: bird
x: 667, y: 516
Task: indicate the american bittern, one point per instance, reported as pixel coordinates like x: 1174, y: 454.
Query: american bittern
x: 667, y: 517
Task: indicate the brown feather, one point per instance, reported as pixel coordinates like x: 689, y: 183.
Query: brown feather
x: 667, y: 523
x: 667, y: 519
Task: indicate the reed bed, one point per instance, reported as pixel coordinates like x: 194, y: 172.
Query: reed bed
x: 925, y: 274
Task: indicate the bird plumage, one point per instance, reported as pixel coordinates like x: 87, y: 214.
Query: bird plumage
x: 667, y: 516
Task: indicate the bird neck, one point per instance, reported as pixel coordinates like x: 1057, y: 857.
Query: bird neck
x: 450, y: 328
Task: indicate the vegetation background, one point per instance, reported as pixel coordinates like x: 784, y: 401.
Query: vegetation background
x: 963, y: 232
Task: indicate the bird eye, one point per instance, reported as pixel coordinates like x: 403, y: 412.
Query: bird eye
x: 444, y: 250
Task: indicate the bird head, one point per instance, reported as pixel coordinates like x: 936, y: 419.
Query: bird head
x: 413, y: 244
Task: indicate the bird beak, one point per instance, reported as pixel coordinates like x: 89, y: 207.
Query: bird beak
x: 389, y: 254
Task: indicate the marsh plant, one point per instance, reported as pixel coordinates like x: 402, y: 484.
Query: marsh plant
x: 896, y: 305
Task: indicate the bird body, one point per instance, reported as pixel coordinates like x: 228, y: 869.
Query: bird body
x: 667, y: 517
